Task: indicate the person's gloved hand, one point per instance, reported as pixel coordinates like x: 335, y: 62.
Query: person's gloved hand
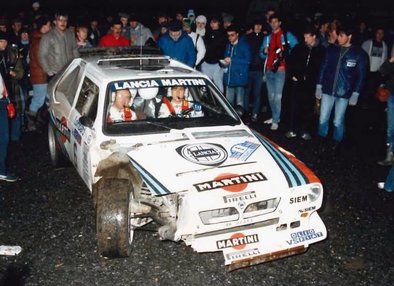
x: 318, y: 92
x: 354, y: 98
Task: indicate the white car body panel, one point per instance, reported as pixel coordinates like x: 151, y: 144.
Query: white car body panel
x: 236, y: 191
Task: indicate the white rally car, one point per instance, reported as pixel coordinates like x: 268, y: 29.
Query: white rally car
x: 193, y: 170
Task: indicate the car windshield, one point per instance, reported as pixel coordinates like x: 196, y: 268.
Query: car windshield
x: 159, y: 105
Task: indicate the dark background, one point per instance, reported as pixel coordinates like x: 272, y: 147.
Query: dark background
x: 377, y: 10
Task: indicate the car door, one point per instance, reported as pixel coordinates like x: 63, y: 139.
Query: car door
x: 62, y: 99
x: 83, y: 116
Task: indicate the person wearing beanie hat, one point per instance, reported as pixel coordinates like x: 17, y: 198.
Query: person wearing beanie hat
x: 177, y: 44
x: 191, y: 15
x: 227, y: 20
x: 201, y: 22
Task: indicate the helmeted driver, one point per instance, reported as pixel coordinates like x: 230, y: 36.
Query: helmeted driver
x: 177, y: 105
x: 120, y: 109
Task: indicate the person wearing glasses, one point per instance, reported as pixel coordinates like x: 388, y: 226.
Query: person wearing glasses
x: 237, y: 58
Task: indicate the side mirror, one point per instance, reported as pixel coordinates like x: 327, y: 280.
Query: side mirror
x: 86, y: 121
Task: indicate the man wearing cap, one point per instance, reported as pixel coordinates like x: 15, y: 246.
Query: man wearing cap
x: 178, y: 45
x: 58, y: 46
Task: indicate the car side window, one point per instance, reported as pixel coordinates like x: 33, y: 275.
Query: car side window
x: 68, y: 85
x: 87, y: 103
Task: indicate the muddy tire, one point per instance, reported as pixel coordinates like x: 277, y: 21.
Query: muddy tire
x: 113, y: 217
x: 57, y: 157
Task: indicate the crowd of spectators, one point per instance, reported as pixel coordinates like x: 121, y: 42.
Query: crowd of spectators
x: 253, y: 61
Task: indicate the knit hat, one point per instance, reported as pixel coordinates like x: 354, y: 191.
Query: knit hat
x: 3, y: 36
x: 201, y: 19
x: 190, y: 13
x: 175, y: 25
x: 227, y: 17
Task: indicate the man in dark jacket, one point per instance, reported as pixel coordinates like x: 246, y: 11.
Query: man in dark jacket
x: 340, y: 81
x: 303, y: 69
x: 215, y: 43
x: 178, y: 45
x: 255, y: 38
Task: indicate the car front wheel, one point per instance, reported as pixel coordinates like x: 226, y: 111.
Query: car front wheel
x: 114, y: 233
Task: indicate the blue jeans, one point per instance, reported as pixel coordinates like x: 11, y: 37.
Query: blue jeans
x: 215, y: 73
x: 4, y: 136
x: 327, y: 104
x: 39, y: 96
x: 254, y: 89
x: 390, y: 120
x: 275, y: 82
x: 236, y: 95
x: 389, y: 183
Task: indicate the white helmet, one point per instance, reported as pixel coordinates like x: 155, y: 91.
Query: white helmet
x: 148, y: 93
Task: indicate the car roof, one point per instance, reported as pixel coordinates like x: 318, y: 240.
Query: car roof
x: 133, y: 62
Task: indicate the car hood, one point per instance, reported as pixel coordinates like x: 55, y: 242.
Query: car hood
x: 211, y: 161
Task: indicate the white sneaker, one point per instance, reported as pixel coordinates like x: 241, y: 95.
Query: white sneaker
x: 268, y: 121
x: 274, y: 126
x: 381, y: 185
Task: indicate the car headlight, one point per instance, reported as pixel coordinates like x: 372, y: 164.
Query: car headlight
x: 315, y: 192
x: 219, y: 215
x: 267, y: 206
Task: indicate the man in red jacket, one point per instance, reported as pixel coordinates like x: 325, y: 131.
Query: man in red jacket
x: 114, y: 39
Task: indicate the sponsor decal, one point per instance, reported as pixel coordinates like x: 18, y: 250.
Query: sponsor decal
x: 237, y: 241
x: 243, y: 150
x: 158, y: 82
x: 307, y: 209
x: 203, y: 154
x: 61, y: 125
x: 243, y: 254
x: 299, y: 199
x: 305, y: 235
x: 231, y: 182
x: 240, y: 198
x: 79, y: 127
x: 77, y: 136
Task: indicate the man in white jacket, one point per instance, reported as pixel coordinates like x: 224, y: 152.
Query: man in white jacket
x: 197, y: 41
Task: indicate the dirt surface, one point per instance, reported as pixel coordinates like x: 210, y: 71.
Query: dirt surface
x: 49, y: 214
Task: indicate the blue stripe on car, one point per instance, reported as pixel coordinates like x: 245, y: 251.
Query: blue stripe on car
x: 152, y: 183
x: 293, y: 175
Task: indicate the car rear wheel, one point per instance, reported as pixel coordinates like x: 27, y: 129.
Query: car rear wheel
x: 57, y: 157
x: 114, y: 233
